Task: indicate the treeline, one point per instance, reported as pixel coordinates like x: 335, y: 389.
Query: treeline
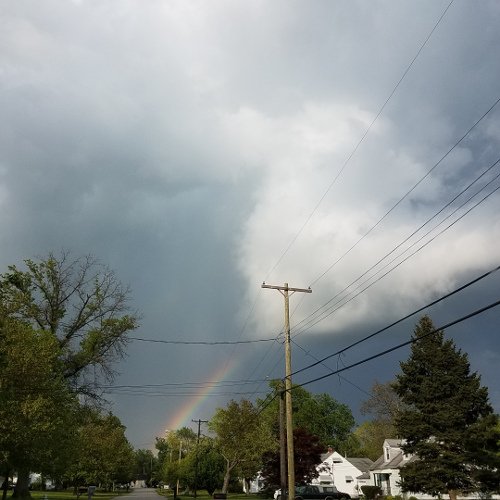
x: 63, y: 322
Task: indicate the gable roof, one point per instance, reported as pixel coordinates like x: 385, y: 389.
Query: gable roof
x: 363, y: 464
x: 393, y: 443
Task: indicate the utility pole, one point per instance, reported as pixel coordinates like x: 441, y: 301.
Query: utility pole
x: 284, y: 290
x: 282, y: 440
x: 197, y: 446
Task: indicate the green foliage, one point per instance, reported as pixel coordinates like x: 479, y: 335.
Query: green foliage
x: 145, y: 466
x: 80, y: 302
x: 37, y: 410
x: 242, y: 436
x: 102, y: 454
x: 371, y: 492
x: 204, y: 467
x: 447, y: 422
x: 319, y: 414
x: 370, y: 436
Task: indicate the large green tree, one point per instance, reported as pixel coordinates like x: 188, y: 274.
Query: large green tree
x: 81, y: 303
x: 102, y: 453
x: 242, y: 436
x: 37, y: 409
x: 203, y: 467
x: 320, y: 414
x: 447, y: 422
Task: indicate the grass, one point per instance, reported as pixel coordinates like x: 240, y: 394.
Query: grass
x: 203, y: 495
x: 68, y: 495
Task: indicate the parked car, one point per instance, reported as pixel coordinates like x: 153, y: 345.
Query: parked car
x: 313, y: 491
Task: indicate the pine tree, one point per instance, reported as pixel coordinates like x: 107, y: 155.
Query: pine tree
x: 447, y: 422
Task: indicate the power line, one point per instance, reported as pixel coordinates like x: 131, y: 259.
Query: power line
x: 321, y: 312
x: 408, y: 256
x: 328, y: 269
x: 308, y: 353
x: 420, y: 309
x: 199, y: 385
x: 353, y: 152
x: 202, y: 342
x: 404, y: 344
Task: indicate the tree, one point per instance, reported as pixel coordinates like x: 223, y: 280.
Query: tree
x: 203, y: 467
x: 242, y: 436
x: 172, y: 449
x: 102, y: 454
x: 145, y: 465
x: 81, y: 303
x: 447, y: 421
x: 307, y: 450
x: 37, y: 410
x: 320, y: 414
x: 384, y: 405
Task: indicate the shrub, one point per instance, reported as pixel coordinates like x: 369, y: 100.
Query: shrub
x: 371, y: 492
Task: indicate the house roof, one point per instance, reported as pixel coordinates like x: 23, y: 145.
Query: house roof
x: 393, y: 443
x: 395, y: 463
x: 361, y: 463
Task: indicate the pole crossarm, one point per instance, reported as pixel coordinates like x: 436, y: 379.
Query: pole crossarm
x: 287, y: 288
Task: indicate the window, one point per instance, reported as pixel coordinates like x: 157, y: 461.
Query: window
x: 349, y: 479
x: 387, y: 454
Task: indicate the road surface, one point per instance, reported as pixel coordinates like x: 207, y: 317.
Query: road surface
x: 142, y: 494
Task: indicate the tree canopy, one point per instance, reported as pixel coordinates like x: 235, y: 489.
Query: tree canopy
x: 307, y: 450
x: 447, y: 420
x: 80, y: 302
x: 37, y: 410
x: 320, y: 414
x: 242, y: 436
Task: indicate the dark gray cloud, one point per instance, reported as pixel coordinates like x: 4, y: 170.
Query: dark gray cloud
x: 186, y: 144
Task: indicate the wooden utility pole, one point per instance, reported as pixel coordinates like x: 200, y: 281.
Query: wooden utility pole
x: 284, y: 290
x: 282, y: 441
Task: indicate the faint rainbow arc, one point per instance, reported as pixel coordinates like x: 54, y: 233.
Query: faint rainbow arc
x: 187, y: 411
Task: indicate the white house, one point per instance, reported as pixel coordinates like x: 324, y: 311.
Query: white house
x: 346, y: 473
x: 384, y: 472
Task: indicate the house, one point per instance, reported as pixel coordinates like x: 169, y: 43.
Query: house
x: 384, y: 472
x: 346, y: 473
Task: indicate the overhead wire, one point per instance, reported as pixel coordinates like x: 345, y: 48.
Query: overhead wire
x: 403, y: 344
x: 380, y: 111
x: 321, y: 312
x: 457, y: 143
x: 342, y: 304
x: 203, y: 342
x: 358, y: 144
x: 404, y: 318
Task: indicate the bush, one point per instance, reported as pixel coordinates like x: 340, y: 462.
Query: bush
x: 413, y: 498
x: 371, y: 492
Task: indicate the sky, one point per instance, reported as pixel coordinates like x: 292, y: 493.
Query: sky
x: 202, y: 148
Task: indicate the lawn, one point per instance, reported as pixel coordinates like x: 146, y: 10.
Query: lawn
x: 68, y: 495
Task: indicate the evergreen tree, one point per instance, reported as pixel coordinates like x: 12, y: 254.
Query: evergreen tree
x: 447, y: 421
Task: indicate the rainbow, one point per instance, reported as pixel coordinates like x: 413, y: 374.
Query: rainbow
x: 189, y: 409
